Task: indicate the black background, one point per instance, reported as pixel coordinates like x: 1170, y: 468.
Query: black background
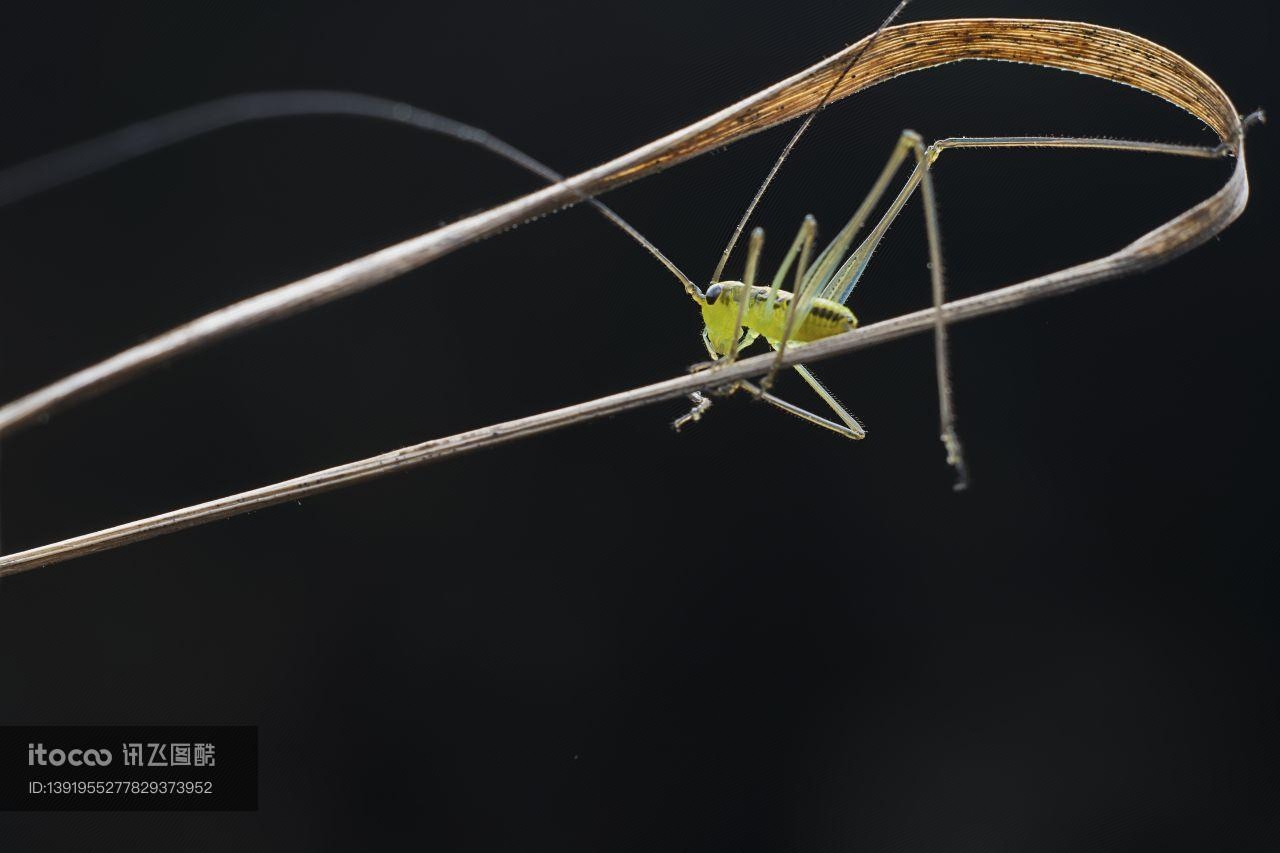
x: 752, y: 636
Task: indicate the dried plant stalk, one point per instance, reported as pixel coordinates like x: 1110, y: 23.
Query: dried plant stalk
x: 1098, y: 51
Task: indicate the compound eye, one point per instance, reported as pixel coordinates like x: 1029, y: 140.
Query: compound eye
x: 713, y: 293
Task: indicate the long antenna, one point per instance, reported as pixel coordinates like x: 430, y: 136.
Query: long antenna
x: 112, y: 149
x: 795, y: 137
x: 83, y: 159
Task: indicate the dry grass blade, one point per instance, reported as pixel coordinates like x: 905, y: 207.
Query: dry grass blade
x: 1102, y: 52
x: 1099, y: 51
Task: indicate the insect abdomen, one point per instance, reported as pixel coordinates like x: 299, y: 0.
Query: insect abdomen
x: 825, y: 318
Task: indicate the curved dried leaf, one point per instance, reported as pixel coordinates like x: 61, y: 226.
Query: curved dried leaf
x: 1098, y: 51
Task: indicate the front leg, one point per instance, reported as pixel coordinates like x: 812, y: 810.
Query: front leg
x: 702, y: 402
